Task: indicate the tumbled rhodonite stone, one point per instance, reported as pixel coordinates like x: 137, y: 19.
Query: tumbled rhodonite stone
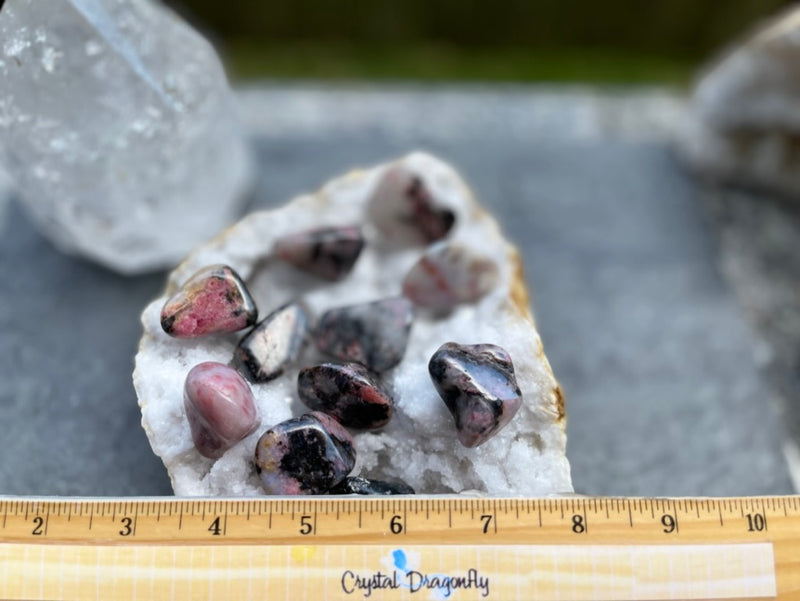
x: 305, y: 455
x: 478, y: 386
x: 214, y: 300
x: 362, y: 486
x: 219, y: 406
x: 449, y: 274
x: 374, y: 334
x: 350, y: 393
x: 275, y: 343
x: 329, y: 252
x: 403, y: 208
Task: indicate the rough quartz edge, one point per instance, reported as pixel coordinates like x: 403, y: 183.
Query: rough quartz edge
x: 240, y: 246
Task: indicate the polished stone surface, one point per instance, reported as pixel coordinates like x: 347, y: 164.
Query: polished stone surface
x: 329, y: 253
x: 275, y: 343
x: 405, y: 210
x: 655, y: 356
x: 449, y: 274
x: 214, y: 300
x: 306, y: 455
x: 220, y: 407
x: 363, y: 486
x: 349, y: 393
x: 478, y: 385
x: 373, y: 333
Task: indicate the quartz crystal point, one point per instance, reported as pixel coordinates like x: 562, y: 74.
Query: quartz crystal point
x: 119, y: 129
x: 329, y: 252
x: 743, y: 121
x: 478, y: 385
x: 374, y: 334
x: 449, y: 273
x: 219, y: 406
x: 349, y: 393
x: 304, y: 455
x: 405, y: 210
x: 214, y: 300
x: 274, y: 343
x: 363, y: 486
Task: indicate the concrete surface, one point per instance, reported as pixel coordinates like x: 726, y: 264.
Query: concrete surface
x: 657, y: 361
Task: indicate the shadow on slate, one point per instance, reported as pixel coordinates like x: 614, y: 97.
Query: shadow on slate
x: 71, y: 424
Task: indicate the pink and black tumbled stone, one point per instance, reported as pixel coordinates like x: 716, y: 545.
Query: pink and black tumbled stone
x: 219, y: 406
x: 373, y: 334
x: 405, y: 210
x: 274, y: 344
x: 478, y: 385
x: 349, y: 393
x: 448, y: 274
x: 214, y: 300
x: 306, y: 455
x: 353, y: 485
x: 329, y: 252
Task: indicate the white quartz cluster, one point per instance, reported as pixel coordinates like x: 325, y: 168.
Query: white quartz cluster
x: 420, y: 444
x: 119, y: 129
x: 745, y: 112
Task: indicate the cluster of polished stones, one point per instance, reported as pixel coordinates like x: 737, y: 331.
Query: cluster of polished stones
x: 314, y: 453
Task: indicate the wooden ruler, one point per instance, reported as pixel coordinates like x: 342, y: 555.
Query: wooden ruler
x: 420, y: 547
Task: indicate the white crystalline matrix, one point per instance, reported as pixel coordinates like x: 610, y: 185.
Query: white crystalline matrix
x: 119, y: 129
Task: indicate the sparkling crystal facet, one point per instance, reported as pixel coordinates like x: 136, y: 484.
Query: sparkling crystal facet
x: 478, y: 385
x: 449, y: 274
x: 275, y: 343
x: 305, y: 455
x: 121, y: 129
x: 219, y: 406
x: 362, y: 486
x: 374, y: 334
x: 403, y: 208
x: 329, y: 253
x: 349, y: 392
x: 214, y: 300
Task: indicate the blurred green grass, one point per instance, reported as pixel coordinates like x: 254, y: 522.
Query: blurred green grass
x: 438, y: 62
x: 616, y: 41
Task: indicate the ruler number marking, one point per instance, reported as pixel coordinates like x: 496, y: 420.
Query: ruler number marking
x: 215, y: 528
x: 127, y: 526
x: 670, y: 523
x: 306, y: 526
x: 756, y: 522
x: 38, y: 528
x: 396, y: 524
x: 578, y: 523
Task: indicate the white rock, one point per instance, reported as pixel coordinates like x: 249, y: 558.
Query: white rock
x: 419, y: 445
x: 119, y: 128
x: 745, y: 111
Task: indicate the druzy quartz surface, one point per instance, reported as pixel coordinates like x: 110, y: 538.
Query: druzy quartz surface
x: 478, y: 385
x: 214, y: 300
x: 304, y: 455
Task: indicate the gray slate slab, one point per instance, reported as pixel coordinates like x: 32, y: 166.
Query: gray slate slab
x: 657, y: 362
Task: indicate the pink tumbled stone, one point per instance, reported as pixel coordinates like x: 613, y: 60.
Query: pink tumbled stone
x: 449, y: 274
x: 405, y: 209
x: 220, y: 407
x: 214, y: 300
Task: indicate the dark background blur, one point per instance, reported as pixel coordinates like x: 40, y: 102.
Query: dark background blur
x: 504, y: 40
